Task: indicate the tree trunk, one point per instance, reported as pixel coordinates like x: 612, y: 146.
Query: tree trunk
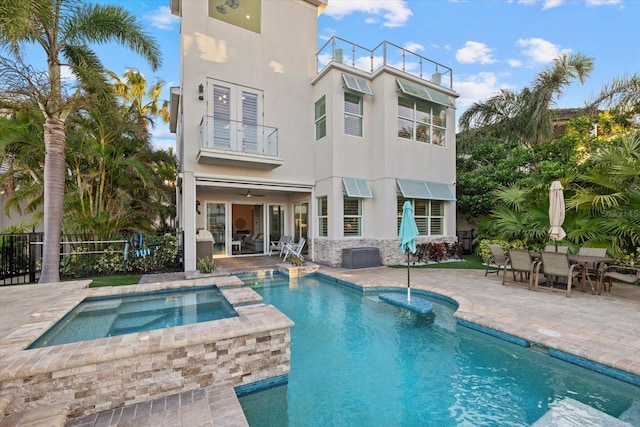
x: 54, y: 169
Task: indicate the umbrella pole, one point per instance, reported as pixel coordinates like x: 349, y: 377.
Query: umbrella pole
x: 408, y: 278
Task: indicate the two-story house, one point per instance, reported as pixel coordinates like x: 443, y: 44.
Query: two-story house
x: 277, y: 137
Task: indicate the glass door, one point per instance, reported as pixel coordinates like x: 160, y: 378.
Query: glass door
x: 301, y: 220
x: 276, y: 222
x: 216, y: 224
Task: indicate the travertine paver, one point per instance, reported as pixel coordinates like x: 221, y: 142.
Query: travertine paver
x: 603, y: 328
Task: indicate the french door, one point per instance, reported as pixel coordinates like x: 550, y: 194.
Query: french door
x: 237, y: 113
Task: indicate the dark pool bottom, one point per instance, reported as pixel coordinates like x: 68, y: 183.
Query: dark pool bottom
x: 109, y: 316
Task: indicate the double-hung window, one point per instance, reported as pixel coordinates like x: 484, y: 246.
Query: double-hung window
x: 352, y: 216
x: 237, y: 112
x: 352, y: 114
x: 323, y: 218
x: 321, y: 118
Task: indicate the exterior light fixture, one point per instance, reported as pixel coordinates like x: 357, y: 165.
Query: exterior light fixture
x: 201, y: 92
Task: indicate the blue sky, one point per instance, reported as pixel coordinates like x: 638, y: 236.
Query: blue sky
x: 490, y: 45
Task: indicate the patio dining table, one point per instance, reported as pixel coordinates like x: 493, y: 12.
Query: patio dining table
x: 585, y: 260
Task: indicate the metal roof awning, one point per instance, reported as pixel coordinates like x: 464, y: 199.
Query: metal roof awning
x: 356, y: 84
x: 357, y: 187
x: 425, y: 93
x: 425, y: 190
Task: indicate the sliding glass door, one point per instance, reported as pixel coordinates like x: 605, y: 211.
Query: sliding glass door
x: 216, y: 224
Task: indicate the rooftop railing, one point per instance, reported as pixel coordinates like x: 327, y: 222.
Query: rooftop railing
x: 385, y: 54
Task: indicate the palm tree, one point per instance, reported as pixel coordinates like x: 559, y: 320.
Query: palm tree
x: 21, y: 159
x: 65, y: 30
x: 525, y: 117
x: 132, y: 88
x: 607, y: 195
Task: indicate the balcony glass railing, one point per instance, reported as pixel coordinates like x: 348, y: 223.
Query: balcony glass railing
x: 389, y: 54
x: 238, y: 136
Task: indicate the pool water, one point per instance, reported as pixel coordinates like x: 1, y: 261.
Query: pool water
x: 124, y: 314
x: 358, y: 361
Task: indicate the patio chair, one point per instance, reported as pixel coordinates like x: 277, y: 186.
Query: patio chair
x: 554, y: 265
x: 593, y: 269
x: 561, y: 249
x: 522, y: 264
x: 499, y: 259
x: 620, y: 273
x: 294, y: 248
x: 279, y: 245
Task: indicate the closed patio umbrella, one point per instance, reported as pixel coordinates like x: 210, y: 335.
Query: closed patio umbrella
x: 408, y: 233
x: 556, y: 212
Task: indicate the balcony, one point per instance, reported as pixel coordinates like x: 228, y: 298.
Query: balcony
x: 385, y: 54
x: 238, y: 144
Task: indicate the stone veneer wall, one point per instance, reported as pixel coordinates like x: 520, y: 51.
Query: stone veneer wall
x: 107, y: 373
x: 330, y: 251
x: 96, y: 387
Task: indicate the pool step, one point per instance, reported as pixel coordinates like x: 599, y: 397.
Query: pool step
x: 213, y: 405
x: 632, y: 415
x: 44, y: 416
x: 571, y: 413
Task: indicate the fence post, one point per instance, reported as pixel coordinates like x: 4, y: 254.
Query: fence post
x: 32, y: 259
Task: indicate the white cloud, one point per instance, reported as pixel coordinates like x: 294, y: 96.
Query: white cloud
x: 477, y: 87
x: 474, y: 52
x: 162, y: 18
x: 539, y: 50
x: 603, y: 2
x: 66, y: 73
x: 515, y: 63
x: 550, y: 4
x: 393, y: 13
x: 413, y: 47
x: 162, y: 138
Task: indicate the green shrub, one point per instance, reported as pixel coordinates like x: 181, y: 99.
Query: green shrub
x: 296, y: 260
x: 484, y: 252
x: 206, y: 265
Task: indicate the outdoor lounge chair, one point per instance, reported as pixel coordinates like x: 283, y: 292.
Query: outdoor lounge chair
x: 294, y: 248
x: 279, y: 245
x: 522, y: 264
x: 620, y: 273
x: 555, y: 265
x: 499, y: 260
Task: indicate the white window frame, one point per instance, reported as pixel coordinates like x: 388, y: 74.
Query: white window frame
x: 423, y: 121
x: 320, y: 114
x: 355, y: 115
x: 323, y: 216
x: 352, y: 221
x: 425, y: 218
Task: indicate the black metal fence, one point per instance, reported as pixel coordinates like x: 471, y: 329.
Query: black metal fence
x: 90, y: 255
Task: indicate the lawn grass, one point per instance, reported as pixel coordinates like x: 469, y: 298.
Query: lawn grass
x: 131, y: 279
x: 469, y: 262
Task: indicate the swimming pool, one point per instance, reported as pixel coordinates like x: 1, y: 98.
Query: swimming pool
x: 356, y: 360
x: 101, y: 317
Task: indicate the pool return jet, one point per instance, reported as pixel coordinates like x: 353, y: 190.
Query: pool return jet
x: 408, y: 233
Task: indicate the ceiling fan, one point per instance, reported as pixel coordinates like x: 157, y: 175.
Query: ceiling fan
x: 248, y: 194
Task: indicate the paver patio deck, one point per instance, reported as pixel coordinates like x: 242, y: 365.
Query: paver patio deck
x: 601, y: 328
